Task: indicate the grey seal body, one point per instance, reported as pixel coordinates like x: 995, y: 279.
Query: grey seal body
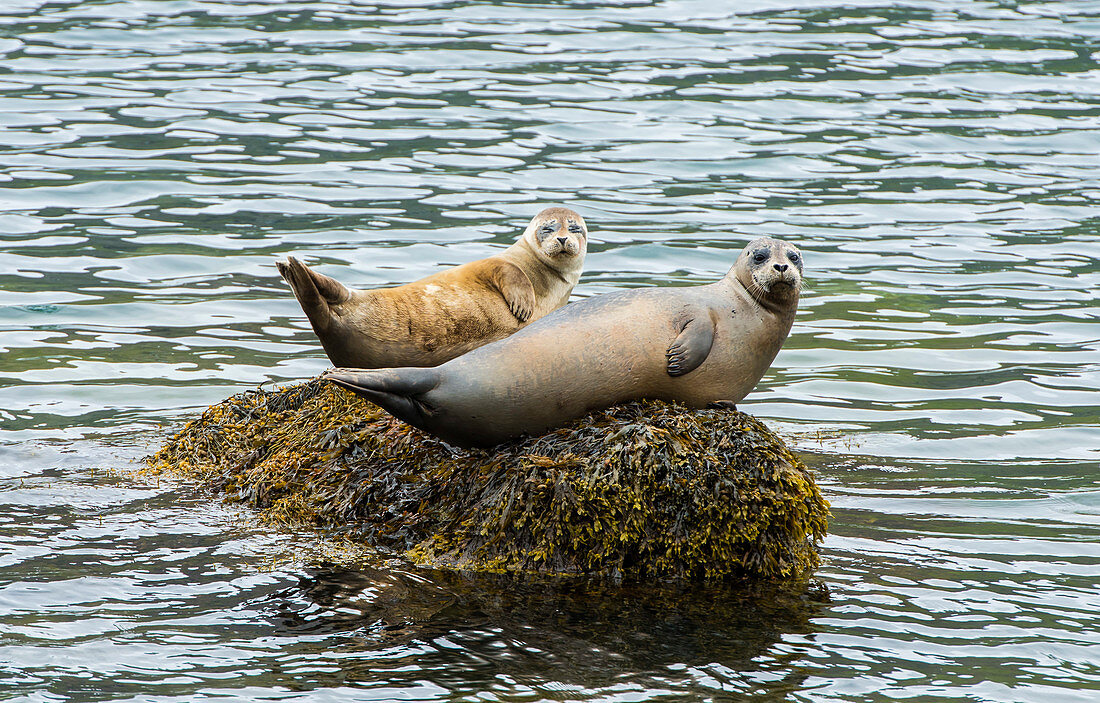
x: 695, y: 345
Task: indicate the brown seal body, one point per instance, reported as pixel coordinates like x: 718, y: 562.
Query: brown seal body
x: 447, y: 314
x: 696, y: 345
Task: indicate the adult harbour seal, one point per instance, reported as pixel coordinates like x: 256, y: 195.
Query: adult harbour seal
x: 437, y: 318
x: 696, y: 345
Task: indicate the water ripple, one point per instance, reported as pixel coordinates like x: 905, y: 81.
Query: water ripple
x: 936, y: 162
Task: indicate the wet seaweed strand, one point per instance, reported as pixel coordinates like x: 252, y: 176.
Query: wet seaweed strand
x: 646, y: 489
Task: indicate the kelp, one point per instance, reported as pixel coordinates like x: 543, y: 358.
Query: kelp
x: 642, y: 490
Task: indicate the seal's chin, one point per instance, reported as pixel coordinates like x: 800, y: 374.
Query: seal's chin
x: 561, y: 254
x: 777, y: 286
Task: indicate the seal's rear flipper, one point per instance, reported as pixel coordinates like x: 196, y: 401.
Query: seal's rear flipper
x: 397, y: 391
x: 315, y: 291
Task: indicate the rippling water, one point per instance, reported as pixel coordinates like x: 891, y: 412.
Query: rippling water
x: 936, y: 161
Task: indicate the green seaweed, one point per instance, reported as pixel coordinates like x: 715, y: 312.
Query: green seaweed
x: 645, y: 490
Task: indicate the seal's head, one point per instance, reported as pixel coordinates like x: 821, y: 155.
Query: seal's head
x: 559, y: 237
x: 771, y: 270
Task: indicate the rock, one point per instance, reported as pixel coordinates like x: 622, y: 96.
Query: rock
x: 642, y: 490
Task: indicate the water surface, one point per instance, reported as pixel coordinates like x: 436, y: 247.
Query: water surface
x: 935, y: 161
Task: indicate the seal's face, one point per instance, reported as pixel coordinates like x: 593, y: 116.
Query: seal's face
x: 771, y: 270
x: 559, y: 236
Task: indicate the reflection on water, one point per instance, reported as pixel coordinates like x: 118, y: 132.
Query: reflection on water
x: 508, y: 635
x: 936, y: 163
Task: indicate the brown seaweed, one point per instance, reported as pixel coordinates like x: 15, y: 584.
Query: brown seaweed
x: 646, y: 489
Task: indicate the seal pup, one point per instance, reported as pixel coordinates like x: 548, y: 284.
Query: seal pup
x: 447, y: 314
x: 697, y: 345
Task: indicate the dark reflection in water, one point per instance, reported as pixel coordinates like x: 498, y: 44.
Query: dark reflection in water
x: 531, y: 631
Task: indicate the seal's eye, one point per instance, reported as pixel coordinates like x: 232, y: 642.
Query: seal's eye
x: 548, y: 228
x: 575, y: 228
x: 793, y: 256
x: 760, y: 257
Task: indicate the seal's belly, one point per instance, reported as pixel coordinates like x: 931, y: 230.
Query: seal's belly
x: 533, y: 382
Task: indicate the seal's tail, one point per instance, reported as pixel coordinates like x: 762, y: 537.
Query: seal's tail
x: 398, y: 391
x: 315, y: 291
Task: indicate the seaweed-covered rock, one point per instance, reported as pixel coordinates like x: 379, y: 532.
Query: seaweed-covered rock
x: 645, y: 489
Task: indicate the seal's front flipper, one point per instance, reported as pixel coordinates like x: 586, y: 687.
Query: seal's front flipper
x: 517, y: 290
x: 397, y: 391
x: 691, y: 346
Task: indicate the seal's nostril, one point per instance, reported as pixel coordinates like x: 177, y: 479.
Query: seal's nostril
x: 562, y: 239
x: 780, y: 267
